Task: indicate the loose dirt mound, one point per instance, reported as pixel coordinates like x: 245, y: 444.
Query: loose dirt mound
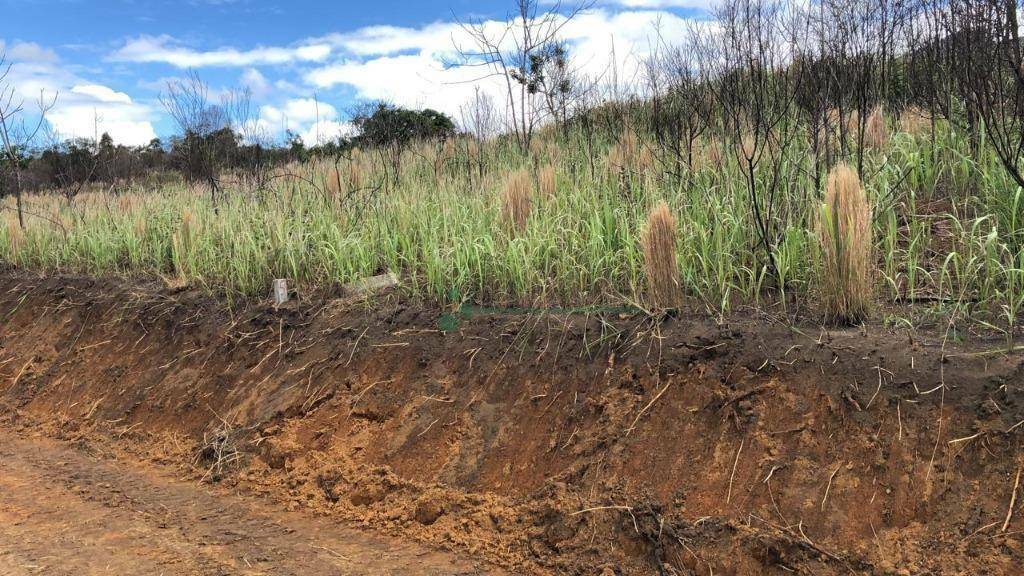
x: 66, y: 513
x: 583, y: 444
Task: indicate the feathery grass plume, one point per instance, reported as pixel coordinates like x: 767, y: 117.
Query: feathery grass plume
x: 441, y: 158
x: 181, y: 242
x: 624, y: 155
x: 914, y: 121
x: 706, y: 154
x: 536, y: 147
x: 659, y: 246
x: 473, y: 151
x: 844, y: 232
x: 15, y: 238
x: 554, y: 151
x: 356, y: 173
x: 140, y: 227
x: 645, y: 160
x: 516, y: 200
x: 876, y: 136
x: 332, y: 182
x: 747, y: 150
x: 546, y: 181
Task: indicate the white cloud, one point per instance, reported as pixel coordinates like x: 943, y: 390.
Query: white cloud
x: 298, y: 111
x: 256, y: 82
x: 661, y: 4
x: 101, y: 93
x: 381, y: 40
x: 315, y: 122
x: 27, y: 52
x: 82, y: 108
x: 326, y: 131
x: 166, y: 50
x: 409, y: 66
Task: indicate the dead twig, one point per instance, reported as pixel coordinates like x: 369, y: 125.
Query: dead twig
x: 728, y: 495
x: 1013, y: 502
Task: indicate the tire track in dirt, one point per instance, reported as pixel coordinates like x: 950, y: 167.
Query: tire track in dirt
x: 63, y: 512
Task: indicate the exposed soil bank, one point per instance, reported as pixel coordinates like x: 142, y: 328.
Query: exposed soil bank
x: 588, y: 444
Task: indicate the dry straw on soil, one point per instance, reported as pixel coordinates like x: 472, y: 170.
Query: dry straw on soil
x: 659, y: 246
x: 844, y: 231
x: 516, y: 200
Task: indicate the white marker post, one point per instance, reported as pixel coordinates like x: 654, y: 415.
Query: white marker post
x: 279, y: 291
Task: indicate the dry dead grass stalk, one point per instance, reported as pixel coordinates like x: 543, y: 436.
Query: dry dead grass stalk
x: 546, y: 181
x: 629, y: 155
x: 844, y: 232
x: 876, y: 135
x: 15, y: 236
x: 332, y: 182
x: 659, y: 246
x: 914, y: 121
x: 516, y: 200
x: 356, y: 172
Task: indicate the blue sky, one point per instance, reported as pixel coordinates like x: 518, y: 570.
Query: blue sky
x: 307, y: 63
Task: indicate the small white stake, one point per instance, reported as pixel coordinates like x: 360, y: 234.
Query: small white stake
x: 279, y: 291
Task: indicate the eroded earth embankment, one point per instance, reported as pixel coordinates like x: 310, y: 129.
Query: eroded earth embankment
x: 537, y: 443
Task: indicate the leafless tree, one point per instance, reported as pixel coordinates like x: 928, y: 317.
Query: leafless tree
x: 987, y: 65
x: 210, y: 131
x: 478, y: 118
x: 858, y: 40
x: 679, y: 102
x: 17, y: 131
x: 524, y: 54
x: 751, y: 65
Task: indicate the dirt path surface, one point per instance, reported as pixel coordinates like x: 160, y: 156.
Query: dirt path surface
x: 63, y: 511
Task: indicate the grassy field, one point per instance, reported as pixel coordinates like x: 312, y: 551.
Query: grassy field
x: 556, y: 226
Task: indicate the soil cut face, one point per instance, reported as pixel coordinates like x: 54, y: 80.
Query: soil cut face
x: 600, y: 443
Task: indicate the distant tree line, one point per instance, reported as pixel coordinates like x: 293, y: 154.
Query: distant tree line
x: 214, y: 139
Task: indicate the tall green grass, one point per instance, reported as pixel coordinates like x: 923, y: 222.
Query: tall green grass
x: 948, y: 228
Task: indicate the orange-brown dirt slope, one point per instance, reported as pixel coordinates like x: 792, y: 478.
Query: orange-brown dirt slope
x: 543, y: 443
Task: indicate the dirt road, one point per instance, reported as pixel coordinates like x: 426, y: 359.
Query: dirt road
x: 63, y: 511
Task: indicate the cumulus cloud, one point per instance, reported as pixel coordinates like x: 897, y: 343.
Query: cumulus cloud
x: 256, y: 82
x: 326, y: 131
x: 101, y: 93
x: 411, y: 66
x: 28, y: 52
x: 313, y: 121
x: 662, y: 4
x: 165, y: 49
x: 82, y: 108
x: 298, y: 111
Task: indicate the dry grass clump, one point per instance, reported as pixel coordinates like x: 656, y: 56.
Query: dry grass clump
x: 537, y: 147
x: 876, y: 135
x: 844, y: 231
x: 747, y: 150
x: 706, y: 155
x: 914, y: 121
x: 332, y: 182
x: 15, y: 236
x: 442, y: 158
x: 628, y: 155
x: 182, y: 242
x: 546, y: 181
x: 659, y: 246
x: 516, y: 200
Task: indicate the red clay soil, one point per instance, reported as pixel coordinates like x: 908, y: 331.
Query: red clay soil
x: 543, y: 443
